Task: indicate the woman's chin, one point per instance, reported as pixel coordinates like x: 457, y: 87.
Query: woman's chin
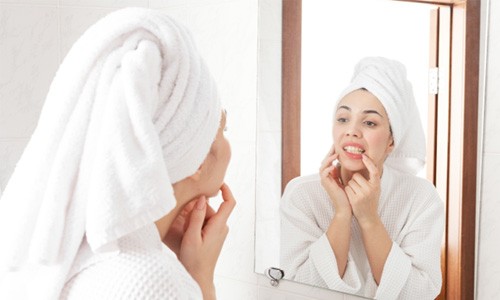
x: 352, y: 165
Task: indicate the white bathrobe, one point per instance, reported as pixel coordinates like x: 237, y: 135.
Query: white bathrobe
x: 413, y: 216
x: 144, y: 269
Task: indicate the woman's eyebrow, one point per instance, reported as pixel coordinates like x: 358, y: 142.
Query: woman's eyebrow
x: 344, y: 107
x: 372, y: 111
x: 368, y: 111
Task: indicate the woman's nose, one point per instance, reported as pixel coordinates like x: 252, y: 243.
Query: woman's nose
x: 353, y: 130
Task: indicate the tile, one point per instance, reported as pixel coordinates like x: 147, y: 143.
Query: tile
x: 268, y: 196
x: 237, y: 257
x: 105, y: 3
x: 492, y: 105
x: 10, y: 152
x: 488, y: 268
x: 270, y: 293
x: 74, y: 22
x: 267, y: 245
x: 241, y: 118
x: 269, y: 86
x: 31, y: 2
x: 294, y: 290
x: 182, y: 3
x: 29, y: 53
x: 229, y: 289
x: 270, y: 20
x: 268, y: 174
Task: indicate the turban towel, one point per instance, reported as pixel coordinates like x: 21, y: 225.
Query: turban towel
x: 131, y: 110
x: 386, y: 80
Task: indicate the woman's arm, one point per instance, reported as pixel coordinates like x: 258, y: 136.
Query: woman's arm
x: 339, y: 236
x: 339, y: 231
x: 377, y: 247
x: 203, y: 240
x: 306, y: 253
x: 408, y: 267
x: 413, y: 267
x: 363, y: 195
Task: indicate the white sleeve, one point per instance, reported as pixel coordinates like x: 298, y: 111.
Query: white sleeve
x: 413, y: 268
x: 306, y: 254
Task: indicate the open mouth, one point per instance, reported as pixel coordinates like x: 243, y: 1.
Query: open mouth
x: 353, y: 150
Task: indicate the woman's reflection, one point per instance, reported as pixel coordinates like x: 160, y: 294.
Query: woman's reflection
x: 366, y: 224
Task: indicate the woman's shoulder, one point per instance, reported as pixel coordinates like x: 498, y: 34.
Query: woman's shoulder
x: 303, y: 183
x: 407, y: 179
x: 412, y: 187
x: 137, y: 272
x: 306, y: 194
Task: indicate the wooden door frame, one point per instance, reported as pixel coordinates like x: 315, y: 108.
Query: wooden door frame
x: 461, y: 166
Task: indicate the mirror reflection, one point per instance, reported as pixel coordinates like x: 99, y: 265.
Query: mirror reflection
x: 366, y: 224
x: 313, y: 244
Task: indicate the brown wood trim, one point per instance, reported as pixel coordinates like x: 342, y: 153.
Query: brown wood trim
x: 433, y: 98
x: 432, y: 124
x: 290, y: 90
x: 463, y: 137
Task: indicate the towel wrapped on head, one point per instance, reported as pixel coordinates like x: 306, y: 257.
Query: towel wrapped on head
x: 386, y: 80
x: 131, y: 110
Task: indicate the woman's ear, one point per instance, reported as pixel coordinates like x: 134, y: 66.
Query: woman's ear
x: 390, y: 147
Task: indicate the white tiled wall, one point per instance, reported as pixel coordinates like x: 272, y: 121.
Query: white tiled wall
x: 36, y: 34
x: 488, y: 262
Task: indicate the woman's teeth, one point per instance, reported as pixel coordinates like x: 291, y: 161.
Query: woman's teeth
x: 355, y: 150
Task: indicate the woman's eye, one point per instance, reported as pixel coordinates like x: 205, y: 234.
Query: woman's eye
x: 341, y: 120
x: 370, y: 124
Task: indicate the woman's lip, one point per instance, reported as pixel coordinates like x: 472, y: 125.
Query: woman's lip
x: 353, y: 155
x: 354, y: 147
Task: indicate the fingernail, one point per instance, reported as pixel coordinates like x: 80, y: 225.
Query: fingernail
x: 201, y: 203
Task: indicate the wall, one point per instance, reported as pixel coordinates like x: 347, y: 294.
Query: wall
x: 488, y: 264
x: 36, y: 34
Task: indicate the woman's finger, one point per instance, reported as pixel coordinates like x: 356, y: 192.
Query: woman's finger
x: 372, y: 169
x: 330, y: 153
x: 197, y: 218
x: 328, y: 161
x: 228, y: 205
x: 350, y: 193
x: 355, y: 186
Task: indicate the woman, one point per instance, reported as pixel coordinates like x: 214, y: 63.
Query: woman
x: 127, y: 151
x: 366, y: 224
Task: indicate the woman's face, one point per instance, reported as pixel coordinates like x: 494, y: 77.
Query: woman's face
x: 361, y: 126
x: 215, y: 165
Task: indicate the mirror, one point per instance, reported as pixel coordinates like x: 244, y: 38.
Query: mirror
x: 267, y: 228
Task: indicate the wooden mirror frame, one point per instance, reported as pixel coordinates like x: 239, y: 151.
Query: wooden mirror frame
x: 461, y: 167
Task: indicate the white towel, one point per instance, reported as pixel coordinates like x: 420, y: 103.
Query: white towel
x: 132, y: 109
x: 386, y: 79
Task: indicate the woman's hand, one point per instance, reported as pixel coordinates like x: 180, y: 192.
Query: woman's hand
x: 175, y: 234
x: 364, y: 194
x: 203, y: 239
x: 331, y: 182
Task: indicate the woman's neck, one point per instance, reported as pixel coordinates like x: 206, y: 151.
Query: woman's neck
x: 165, y: 222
